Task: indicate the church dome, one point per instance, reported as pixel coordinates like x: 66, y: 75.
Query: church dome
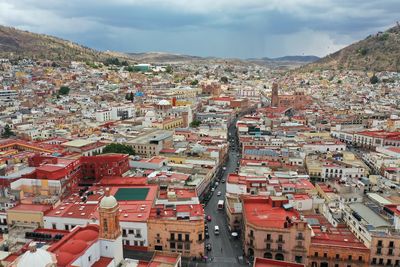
x: 164, y: 102
x: 36, y: 257
x: 150, y: 114
x: 108, y: 201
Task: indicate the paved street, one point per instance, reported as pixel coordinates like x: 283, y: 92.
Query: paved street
x: 225, y: 249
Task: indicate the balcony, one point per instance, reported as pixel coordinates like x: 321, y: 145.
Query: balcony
x: 299, y: 237
x: 268, y: 240
x: 280, y: 241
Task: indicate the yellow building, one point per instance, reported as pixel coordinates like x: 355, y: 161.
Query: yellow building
x: 168, y: 124
x: 27, y: 214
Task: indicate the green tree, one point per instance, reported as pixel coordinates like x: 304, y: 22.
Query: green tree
x: 224, y: 79
x: 194, y: 82
x: 374, y: 79
x: 195, y: 123
x: 168, y: 69
x: 64, y: 90
x: 7, y: 132
x: 118, y: 148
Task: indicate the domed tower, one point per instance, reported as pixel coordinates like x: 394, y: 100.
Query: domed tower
x: 110, y: 230
x: 109, y: 217
x: 275, y: 97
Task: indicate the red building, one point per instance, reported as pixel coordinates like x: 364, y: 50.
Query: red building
x: 97, y: 167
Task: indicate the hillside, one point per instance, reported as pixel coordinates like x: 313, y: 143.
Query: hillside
x: 377, y: 52
x: 16, y: 44
x: 162, y: 57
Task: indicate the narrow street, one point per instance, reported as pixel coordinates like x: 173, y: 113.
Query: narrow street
x: 225, y: 248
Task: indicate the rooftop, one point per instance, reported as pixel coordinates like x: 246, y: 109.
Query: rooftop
x: 261, y: 211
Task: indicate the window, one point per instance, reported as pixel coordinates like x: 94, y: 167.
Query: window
x: 379, y: 243
x: 374, y: 261
x: 280, y: 238
x: 172, y: 236
x: 316, y: 254
x: 325, y: 255
x: 389, y: 262
x: 89, y: 258
x: 268, y: 246
x: 124, y: 232
x: 350, y: 257
x: 251, y: 233
x: 390, y: 252
x: 391, y: 244
x: 360, y: 258
x: 337, y: 256
x: 186, y: 237
x: 380, y: 261
x: 141, y: 243
x: 280, y: 248
x: 187, y: 246
x: 180, y: 246
x: 379, y: 251
x: 138, y: 233
x: 54, y: 226
x: 172, y: 245
x: 131, y: 232
x: 180, y: 237
x: 268, y: 237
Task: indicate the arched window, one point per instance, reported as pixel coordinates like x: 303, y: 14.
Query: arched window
x: 279, y: 257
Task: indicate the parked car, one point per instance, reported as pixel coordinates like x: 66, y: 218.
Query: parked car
x: 207, y: 235
x: 223, y: 181
x: 209, y: 218
x: 212, y: 189
x: 208, y: 246
x: 219, y: 193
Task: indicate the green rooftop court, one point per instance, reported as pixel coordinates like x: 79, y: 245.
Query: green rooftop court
x: 124, y: 194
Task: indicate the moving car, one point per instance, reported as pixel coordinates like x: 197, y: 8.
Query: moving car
x: 223, y: 181
x: 212, y: 189
x: 216, y: 230
x: 207, y: 235
x: 219, y: 193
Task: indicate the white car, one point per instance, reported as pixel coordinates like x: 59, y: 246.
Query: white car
x: 212, y: 189
x: 219, y: 193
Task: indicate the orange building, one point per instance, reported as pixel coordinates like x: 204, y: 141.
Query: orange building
x: 273, y: 230
x: 335, y: 246
x: 177, y: 228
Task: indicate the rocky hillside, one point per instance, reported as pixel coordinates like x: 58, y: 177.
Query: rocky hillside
x: 377, y: 52
x: 16, y: 43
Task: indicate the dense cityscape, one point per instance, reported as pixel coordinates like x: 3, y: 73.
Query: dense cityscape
x: 198, y: 162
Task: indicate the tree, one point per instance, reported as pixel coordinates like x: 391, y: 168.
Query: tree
x: 7, y: 132
x: 118, y: 148
x: 129, y: 96
x: 64, y: 90
x: 168, y: 69
x: 224, y: 79
x: 195, y: 123
x: 374, y: 79
x: 194, y: 82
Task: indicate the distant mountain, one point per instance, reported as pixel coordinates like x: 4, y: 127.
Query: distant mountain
x: 163, y: 57
x: 16, y: 44
x: 377, y: 52
x: 296, y: 58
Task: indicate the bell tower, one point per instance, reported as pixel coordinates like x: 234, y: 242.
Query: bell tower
x: 275, y: 97
x: 109, y: 217
x: 110, y: 231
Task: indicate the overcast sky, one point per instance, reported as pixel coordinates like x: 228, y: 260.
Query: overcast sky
x: 223, y: 28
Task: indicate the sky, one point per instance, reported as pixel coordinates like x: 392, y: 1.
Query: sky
x: 221, y: 28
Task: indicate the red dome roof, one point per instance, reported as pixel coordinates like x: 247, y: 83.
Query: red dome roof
x: 86, y: 235
x: 64, y: 258
x: 74, y: 247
